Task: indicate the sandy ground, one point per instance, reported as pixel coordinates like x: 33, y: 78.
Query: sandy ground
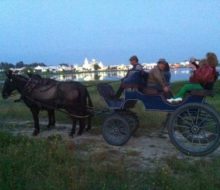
x: 140, y: 152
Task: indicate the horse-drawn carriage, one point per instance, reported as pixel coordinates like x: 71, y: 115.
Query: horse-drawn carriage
x: 193, y: 125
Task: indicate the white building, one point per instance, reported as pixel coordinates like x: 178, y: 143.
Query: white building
x: 122, y: 67
x: 90, y: 65
x: 40, y: 68
x: 18, y: 70
x: 149, y: 66
x: 86, y: 65
x: 63, y: 67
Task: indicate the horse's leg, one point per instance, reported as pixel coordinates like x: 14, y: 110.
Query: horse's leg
x: 35, y: 113
x: 89, y: 123
x: 73, y: 130
x: 51, y: 117
x: 82, y: 125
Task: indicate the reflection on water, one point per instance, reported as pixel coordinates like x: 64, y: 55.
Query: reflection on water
x: 179, y: 74
x: 114, y: 75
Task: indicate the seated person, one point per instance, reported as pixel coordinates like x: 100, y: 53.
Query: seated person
x: 167, y: 73
x: 132, y: 76
x: 213, y: 62
x: 203, y: 78
x: 159, y: 78
x: 193, y: 63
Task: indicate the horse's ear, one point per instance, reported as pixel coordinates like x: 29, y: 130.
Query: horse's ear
x: 9, y: 73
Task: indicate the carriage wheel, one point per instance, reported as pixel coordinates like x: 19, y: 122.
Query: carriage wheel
x: 132, y: 119
x: 195, y: 129
x: 116, y: 130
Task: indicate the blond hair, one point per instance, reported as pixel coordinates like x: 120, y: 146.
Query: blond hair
x: 212, y: 59
x: 203, y: 62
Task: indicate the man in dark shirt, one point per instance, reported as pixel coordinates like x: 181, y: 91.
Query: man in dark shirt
x: 136, y: 67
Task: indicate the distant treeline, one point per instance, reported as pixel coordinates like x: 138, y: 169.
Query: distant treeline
x: 20, y: 64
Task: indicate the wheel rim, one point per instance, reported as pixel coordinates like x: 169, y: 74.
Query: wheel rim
x: 132, y: 120
x: 116, y: 131
x: 195, y: 129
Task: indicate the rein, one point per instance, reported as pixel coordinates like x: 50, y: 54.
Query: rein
x: 92, y: 85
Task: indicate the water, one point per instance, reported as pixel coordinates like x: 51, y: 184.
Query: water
x: 98, y: 76
x: 177, y: 75
x: 180, y: 74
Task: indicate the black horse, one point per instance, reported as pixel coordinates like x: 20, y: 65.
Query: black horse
x: 51, y: 112
x: 47, y: 94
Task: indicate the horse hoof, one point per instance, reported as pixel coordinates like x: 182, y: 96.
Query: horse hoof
x: 50, y: 126
x: 36, y: 132
x: 71, y: 135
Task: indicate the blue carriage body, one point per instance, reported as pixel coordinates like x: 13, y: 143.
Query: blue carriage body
x: 193, y: 126
x: 150, y: 101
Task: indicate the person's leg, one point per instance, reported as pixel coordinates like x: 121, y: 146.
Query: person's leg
x: 119, y: 92
x: 168, y: 95
x: 128, y: 81
x: 186, y: 88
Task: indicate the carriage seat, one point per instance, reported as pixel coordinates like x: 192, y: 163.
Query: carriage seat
x: 105, y: 90
x: 202, y: 93
x: 146, y: 91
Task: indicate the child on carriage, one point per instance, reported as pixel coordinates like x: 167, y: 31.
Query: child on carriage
x: 203, y: 78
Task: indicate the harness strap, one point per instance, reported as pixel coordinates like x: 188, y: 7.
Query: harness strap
x: 40, y: 104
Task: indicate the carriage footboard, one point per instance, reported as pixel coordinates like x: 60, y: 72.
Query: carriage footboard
x: 107, y: 93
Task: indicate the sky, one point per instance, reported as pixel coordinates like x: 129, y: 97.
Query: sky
x: 67, y: 31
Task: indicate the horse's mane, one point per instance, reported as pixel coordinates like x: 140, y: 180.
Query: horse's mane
x: 34, y: 76
x: 21, y: 77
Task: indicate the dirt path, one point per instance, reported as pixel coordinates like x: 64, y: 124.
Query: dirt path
x: 140, y: 152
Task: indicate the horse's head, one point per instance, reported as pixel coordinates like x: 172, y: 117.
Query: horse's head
x: 9, y: 85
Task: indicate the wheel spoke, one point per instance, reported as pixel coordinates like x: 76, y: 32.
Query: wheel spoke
x: 185, y: 132
x: 199, y: 141
x: 208, y: 126
x: 181, y: 126
x: 190, y: 117
x: 184, y: 120
x: 197, y: 116
x: 116, y: 130
x: 205, y: 119
x: 195, y: 129
x: 204, y: 135
x: 189, y: 136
